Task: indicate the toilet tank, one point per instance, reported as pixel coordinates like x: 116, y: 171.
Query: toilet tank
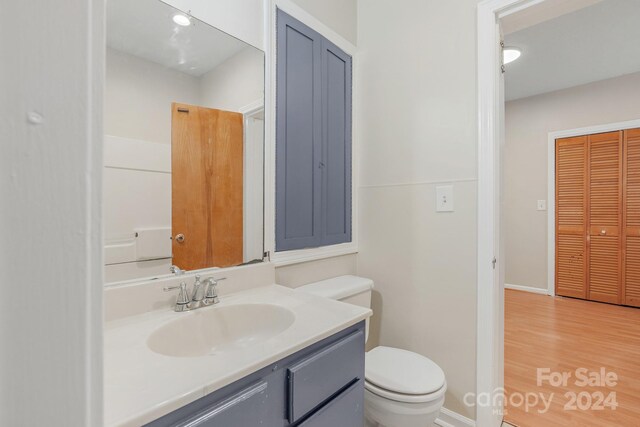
x: 350, y: 289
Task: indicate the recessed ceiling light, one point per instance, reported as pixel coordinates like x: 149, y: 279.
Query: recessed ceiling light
x: 510, y: 54
x: 181, y: 20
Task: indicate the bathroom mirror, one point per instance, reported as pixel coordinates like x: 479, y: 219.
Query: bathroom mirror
x: 184, y: 144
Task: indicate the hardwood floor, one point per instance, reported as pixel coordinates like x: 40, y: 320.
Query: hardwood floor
x: 564, y: 335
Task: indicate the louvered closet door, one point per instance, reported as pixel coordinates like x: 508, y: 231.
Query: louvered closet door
x: 571, y: 216
x: 605, y: 217
x: 631, y: 242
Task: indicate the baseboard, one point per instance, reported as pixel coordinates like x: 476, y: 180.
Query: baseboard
x: 527, y: 289
x: 449, y: 418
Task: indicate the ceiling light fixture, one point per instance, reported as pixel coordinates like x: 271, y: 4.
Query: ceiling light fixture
x: 181, y: 20
x: 510, y: 54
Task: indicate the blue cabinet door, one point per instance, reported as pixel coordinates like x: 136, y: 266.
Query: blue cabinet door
x: 298, y: 135
x: 316, y: 378
x: 336, y: 110
x: 346, y: 409
x: 313, y: 139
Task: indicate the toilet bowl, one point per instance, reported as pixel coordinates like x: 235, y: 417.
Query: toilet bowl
x: 402, y: 388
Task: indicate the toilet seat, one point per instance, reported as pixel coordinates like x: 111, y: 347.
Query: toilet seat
x: 405, y: 398
x: 403, y: 376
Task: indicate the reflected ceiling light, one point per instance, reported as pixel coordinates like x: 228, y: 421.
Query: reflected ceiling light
x: 181, y: 20
x: 510, y: 54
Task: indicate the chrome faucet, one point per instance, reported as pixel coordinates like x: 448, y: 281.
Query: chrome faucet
x: 202, y: 295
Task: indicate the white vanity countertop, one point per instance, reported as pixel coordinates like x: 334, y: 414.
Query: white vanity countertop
x: 141, y: 385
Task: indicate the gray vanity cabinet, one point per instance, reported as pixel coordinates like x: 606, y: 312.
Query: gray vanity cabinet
x: 319, y: 386
x: 248, y: 407
x: 345, y: 410
x: 313, y: 138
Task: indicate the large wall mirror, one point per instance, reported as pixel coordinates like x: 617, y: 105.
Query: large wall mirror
x: 184, y: 144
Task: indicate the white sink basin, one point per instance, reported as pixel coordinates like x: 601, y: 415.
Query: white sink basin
x: 213, y: 330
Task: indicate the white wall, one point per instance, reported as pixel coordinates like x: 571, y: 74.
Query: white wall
x: 138, y: 97
x: 417, y: 128
x: 50, y: 187
x: 236, y: 83
x: 136, y: 197
x: 339, y: 15
x: 296, y: 275
x: 528, y: 123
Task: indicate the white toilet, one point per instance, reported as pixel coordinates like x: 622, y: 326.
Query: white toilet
x: 402, y: 388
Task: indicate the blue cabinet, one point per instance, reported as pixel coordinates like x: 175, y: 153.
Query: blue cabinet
x: 345, y: 410
x: 313, y: 138
x: 322, y: 385
x: 336, y: 108
x: 316, y: 378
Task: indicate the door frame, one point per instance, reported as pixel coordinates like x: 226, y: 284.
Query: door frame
x: 490, y: 286
x: 250, y: 111
x: 490, y: 276
x: 551, y: 186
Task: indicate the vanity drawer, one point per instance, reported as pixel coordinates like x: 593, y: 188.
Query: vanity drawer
x: 248, y: 407
x: 318, y: 377
x: 346, y: 410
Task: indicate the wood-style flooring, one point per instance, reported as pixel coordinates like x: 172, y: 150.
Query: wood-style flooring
x: 564, y: 335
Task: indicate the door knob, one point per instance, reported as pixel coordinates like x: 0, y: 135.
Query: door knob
x: 603, y: 231
x: 180, y: 238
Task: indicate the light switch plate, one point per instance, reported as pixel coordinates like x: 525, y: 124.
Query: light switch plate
x: 542, y: 205
x: 444, y: 198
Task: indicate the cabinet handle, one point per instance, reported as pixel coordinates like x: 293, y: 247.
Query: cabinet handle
x: 603, y: 232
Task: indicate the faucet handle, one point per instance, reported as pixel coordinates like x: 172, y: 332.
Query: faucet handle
x: 183, y: 298
x: 214, y: 282
x: 211, y: 294
x: 174, y: 269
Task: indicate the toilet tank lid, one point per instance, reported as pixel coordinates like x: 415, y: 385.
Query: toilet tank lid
x: 339, y: 287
